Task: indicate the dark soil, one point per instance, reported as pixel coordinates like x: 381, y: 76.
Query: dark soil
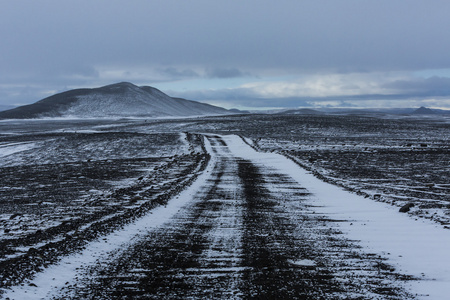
x: 241, y: 240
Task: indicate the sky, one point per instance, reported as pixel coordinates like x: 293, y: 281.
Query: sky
x: 235, y: 54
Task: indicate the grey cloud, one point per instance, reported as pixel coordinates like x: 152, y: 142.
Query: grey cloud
x: 22, y: 95
x: 57, y: 43
x: 241, y: 97
x: 225, y: 73
x: 342, y: 35
x: 175, y: 73
x: 219, y: 94
x: 50, y: 78
x: 249, y: 98
x: 433, y: 86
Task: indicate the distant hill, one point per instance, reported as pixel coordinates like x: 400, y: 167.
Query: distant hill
x: 301, y: 111
x: 238, y: 111
x: 388, y: 111
x: 424, y: 111
x: 117, y: 100
x: 357, y: 111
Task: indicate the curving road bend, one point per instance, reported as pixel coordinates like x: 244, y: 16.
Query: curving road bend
x: 243, y: 230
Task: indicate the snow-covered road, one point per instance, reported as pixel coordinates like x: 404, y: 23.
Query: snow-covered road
x: 415, y: 247
x: 255, y: 225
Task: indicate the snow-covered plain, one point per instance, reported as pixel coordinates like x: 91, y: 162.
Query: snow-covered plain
x: 8, y: 149
x: 48, y: 284
x: 415, y: 247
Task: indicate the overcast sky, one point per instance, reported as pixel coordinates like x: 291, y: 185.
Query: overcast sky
x: 246, y: 53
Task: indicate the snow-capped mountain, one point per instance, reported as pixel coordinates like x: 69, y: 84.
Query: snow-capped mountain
x: 117, y: 100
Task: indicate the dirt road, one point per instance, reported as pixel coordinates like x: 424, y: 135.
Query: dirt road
x: 244, y: 230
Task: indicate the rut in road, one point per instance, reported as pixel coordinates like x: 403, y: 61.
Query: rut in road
x: 248, y: 233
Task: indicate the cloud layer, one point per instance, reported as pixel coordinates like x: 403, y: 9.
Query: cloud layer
x: 351, y: 90
x: 280, y: 50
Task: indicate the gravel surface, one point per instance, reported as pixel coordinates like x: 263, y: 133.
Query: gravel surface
x: 71, y: 191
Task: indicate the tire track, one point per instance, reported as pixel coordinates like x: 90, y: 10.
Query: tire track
x: 196, y: 254
x: 249, y: 232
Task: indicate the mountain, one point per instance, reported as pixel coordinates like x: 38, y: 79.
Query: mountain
x: 369, y: 111
x: 424, y: 111
x: 390, y: 111
x: 301, y: 111
x: 238, y: 111
x: 117, y: 100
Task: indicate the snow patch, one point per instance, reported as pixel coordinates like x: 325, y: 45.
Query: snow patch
x: 302, y: 262
x: 48, y: 283
x: 8, y: 149
x: 414, y: 246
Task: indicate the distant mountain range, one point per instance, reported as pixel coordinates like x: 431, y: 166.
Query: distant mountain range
x: 393, y: 111
x: 117, y: 100
x: 301, y: 111
x: 128, y: 100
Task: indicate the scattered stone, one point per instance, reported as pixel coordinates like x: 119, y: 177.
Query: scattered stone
x: 405, y: 208
x: 15, y: 216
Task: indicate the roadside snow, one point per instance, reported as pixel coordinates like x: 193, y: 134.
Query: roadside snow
x: 8, y: 149
x: 414, y: 246
x: 302, y: 262
x: 49, y: 282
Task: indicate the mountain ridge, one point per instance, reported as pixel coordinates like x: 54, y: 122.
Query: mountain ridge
x: 122, y: 99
